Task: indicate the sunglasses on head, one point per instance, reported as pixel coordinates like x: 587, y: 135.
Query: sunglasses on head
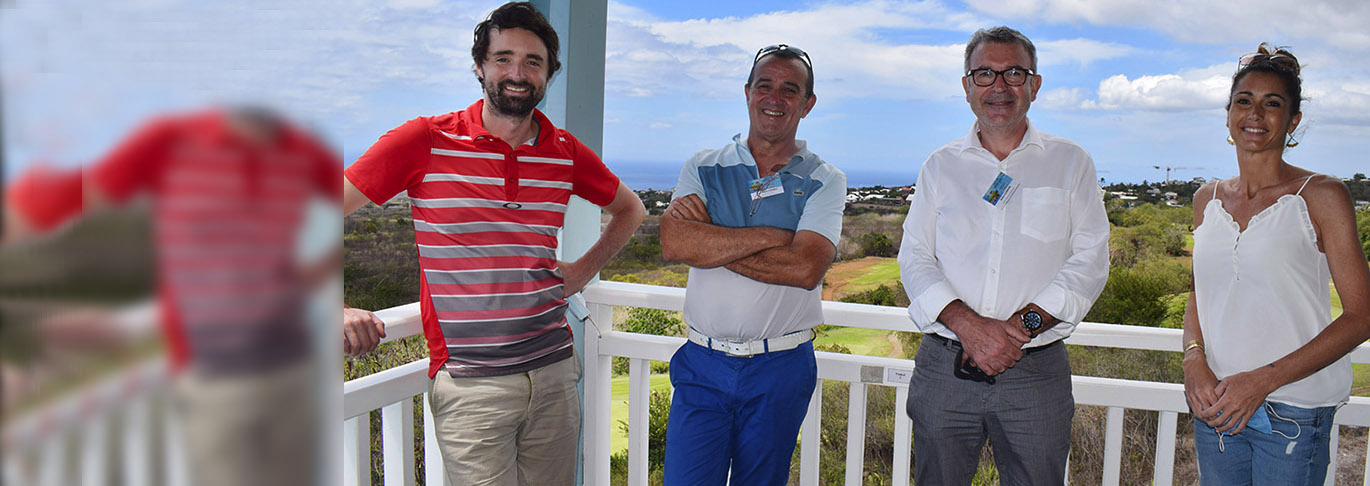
x: 804, y: 56
x: 1278, y: 58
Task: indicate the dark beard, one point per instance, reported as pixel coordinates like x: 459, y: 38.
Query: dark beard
x: 513, y: 107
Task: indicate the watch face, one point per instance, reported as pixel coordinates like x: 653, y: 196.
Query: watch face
x: 1032, y: 321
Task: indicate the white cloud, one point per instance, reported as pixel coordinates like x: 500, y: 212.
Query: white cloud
x: 710, y: 57
x: 1079, y: 51
x: 1338, y: 23
x: 1189, y: 90
x: 659, y: 126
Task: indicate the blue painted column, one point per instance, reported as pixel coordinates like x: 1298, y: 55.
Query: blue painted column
x: 575, y: 102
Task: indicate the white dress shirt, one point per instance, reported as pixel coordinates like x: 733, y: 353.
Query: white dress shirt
x: 1046, y: 243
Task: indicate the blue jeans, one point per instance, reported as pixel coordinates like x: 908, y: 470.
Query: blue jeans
x: 1295, y: 453
x: 736, y: 413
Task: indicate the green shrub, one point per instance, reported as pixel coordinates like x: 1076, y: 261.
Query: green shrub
x: 882, y: 295
x: 877, y: 244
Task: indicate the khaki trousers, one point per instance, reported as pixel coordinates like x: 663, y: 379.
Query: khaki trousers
x: 511, y: 430
x: 255, y: 428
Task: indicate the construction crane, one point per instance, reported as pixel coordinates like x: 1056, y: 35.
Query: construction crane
x: 1168, y: 169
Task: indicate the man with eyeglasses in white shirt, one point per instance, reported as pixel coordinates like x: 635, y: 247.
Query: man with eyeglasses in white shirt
x: 1005, y: 248
x: 758, y: 222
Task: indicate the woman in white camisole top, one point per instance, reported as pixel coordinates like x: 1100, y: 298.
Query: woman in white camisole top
x: 1265, y: 364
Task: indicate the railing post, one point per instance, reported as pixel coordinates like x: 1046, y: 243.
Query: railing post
x: 356, y: 439
x: 177, y: 464
x: 1164, y: 472
x: 856, y: 433
x: 51, y: 469
x: 595, y: 433
x: 903, y: 438
x: 434, y: 469
x: 639, y: 407
x: 1113, y: 446
x: 811, y: 437
x: 136, y: 442
x: 95, y: 450
x: 397, y: 442
x: 1332, y: 443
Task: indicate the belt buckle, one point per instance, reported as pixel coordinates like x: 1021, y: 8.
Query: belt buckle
x: 737, y: 349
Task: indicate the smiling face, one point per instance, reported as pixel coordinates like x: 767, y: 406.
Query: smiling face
x: 1260, y: 115
x: 514, y: 73
x: 776, y: 98
x: 1000, y: 107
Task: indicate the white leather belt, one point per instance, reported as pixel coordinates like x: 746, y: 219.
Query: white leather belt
x: 747, y: 349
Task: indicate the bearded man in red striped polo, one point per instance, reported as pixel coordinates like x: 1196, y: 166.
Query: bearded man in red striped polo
x: 489, y: 187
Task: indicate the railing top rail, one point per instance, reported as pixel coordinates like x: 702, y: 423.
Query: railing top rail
x: 403, y: 321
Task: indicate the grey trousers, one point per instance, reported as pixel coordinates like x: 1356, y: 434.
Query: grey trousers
x: 1025, y: 415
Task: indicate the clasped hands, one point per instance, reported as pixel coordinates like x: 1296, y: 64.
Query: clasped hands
x: 1235, y: 398
x: 993, y: 345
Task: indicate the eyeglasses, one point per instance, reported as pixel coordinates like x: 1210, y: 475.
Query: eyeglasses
x: 1278, y: 58
x: 1013, y: 76
x: 804, y: 56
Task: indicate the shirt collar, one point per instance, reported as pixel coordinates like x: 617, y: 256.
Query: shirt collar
x: 796, y: 160
x: 1031, y: 137
x: 471, y: 117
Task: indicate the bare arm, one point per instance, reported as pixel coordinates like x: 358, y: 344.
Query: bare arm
x: 1330, y: 209
x: 1199, y: 381
x: 688, y: 235
x: 362, y: 330
x: 353, y: 199
x: 802, y: 263
x: 625, y: 214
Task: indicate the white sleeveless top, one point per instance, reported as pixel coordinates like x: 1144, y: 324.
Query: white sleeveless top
x: 1262, y: 293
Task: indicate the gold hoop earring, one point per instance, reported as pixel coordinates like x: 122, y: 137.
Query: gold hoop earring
x: 1291, y: 143
x: 1230, y: 141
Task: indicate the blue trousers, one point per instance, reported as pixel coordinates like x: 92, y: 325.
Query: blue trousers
x: 736, y: 413
x: 1294, y: 453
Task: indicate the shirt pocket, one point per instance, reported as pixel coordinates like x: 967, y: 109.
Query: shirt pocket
x: 1046, y: 213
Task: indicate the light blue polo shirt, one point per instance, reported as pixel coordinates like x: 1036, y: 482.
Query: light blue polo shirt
x: 726, y: 305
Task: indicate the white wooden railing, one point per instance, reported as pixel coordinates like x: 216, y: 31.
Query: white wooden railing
x: 391, y: 389
x: 67, y: 443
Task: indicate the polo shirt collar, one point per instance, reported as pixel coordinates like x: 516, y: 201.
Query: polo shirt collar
x: 471, y: 117
x: 798, y: 159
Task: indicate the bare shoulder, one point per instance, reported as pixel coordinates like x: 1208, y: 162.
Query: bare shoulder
x: 1328, y: 201
x: 1201, y: 198
x: 1327, y: 192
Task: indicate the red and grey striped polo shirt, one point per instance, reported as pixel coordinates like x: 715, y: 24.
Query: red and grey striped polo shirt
x: 227, y: 215
x: 485, y: 220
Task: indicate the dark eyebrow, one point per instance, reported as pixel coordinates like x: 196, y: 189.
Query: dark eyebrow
x: 769, y: 80
x: 1248, y: 93
x: 509, y: 52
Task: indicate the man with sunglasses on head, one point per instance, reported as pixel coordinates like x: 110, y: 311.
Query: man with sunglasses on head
x: 1005, y: 249
x: 758, y: 222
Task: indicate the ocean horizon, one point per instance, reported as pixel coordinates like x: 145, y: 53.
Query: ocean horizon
x: 641, y: 175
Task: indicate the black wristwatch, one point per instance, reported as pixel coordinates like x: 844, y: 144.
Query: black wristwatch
x: 1032, y: 322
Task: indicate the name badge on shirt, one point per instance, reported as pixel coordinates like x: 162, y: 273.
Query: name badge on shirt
x: 765, y: 187
x: 1001, y: 190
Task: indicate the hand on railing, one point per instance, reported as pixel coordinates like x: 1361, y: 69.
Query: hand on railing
x: 362, y: 331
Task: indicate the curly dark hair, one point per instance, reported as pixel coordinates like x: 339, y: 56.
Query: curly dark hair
x: 521, y: 15
x: 1274, y: 60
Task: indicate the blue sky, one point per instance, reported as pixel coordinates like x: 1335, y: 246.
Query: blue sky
x: 1137, y: 83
